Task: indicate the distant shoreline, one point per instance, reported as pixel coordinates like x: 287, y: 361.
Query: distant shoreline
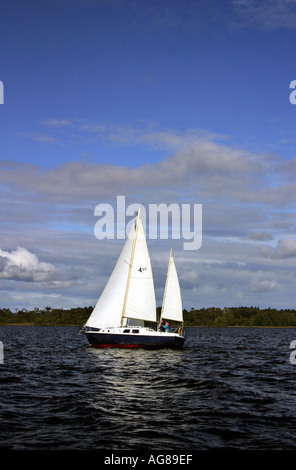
x: 189, y: 326
x: 34, y: 324
x: 213, y: 317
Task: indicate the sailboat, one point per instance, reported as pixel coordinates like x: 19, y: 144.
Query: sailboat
x: 128, y: 301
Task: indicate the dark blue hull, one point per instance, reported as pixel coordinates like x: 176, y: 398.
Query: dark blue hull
x: 113, y: 340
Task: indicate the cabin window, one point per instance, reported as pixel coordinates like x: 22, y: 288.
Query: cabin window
x: 135, y: 331
x: 126, y: 331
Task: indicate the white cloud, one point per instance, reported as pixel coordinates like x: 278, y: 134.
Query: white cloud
x: 260, y: 236
x: 286, y: 248
x: 38, y: 137
x: 22, y: 265
x: 265, y: 286
x: 58, y: 122
x: 266, y: 14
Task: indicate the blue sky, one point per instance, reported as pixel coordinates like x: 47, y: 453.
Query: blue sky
x: 161, y: 101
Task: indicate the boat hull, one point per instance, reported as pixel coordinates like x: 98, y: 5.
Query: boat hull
x: 145, y: 341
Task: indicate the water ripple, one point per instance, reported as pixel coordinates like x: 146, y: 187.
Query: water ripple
x: 227, y: 389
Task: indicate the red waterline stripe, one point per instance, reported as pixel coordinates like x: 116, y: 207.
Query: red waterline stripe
x: 125, y: 346
x: 101, y: 346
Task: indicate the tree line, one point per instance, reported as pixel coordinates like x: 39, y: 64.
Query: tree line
x: 210, y: 317
x: 47, y: 316
x: 240, y: 316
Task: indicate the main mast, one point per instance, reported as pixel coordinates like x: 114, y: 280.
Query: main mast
x: 130, y: 268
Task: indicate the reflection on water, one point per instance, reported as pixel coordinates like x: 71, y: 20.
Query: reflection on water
x: 134, y: 390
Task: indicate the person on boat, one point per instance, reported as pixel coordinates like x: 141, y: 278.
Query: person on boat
x: 164, y: 326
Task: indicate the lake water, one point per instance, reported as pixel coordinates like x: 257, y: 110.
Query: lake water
x: 227, y: 389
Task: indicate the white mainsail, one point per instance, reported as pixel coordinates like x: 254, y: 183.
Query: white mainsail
x: 172, y: 301
x: 140, y: 302
x: 129, y: 293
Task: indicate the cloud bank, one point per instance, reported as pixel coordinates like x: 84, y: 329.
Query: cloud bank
x: 198, y: 163
x: 248, y: 250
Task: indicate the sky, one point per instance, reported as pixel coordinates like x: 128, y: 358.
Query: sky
x: 159, y: 102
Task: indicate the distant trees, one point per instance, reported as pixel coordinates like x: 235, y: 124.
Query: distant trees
x: 211, y: 317
x: 48, y: 316
x: 240, y: 316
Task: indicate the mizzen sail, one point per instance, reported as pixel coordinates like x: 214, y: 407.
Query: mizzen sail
x: 172, y: 301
